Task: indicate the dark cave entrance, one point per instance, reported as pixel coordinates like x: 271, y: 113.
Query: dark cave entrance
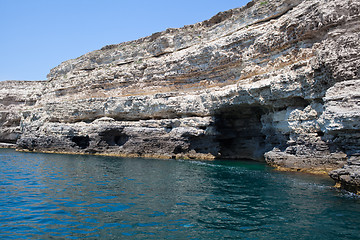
x: 240, y: 133
x: 114, y: 137
x: 81, y: 141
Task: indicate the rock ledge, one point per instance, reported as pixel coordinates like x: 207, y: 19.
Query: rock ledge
x: 275, y: 81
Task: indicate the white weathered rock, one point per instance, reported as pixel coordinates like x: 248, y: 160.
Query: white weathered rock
x: 16, y: 97
x: 278, y: 74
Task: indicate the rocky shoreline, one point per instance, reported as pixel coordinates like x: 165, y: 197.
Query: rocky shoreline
x: 274, y: 81
x: 7, y: 145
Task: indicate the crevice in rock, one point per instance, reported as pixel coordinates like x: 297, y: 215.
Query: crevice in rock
x: 162, y: 54
x: 275, y: 16
x: 283, y: 104
x: 8, y: 141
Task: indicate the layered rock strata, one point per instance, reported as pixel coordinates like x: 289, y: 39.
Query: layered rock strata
x: 274, y: 80
x: 348, y: 177
x: 16, y: 99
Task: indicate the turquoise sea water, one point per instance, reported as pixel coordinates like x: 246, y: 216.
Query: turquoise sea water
x: 45, y: 196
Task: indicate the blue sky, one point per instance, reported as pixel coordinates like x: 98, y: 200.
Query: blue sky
x: 37, y: 35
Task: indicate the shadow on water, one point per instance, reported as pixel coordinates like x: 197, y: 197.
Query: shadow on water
x: 46, y: 196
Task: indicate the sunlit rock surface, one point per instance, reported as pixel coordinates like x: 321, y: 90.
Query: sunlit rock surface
x: 16, y: 98
x: 273, y: 80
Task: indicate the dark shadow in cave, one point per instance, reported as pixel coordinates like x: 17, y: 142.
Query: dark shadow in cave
x: 81, y: 141
x: 114, y: 137
x: 240, y: 132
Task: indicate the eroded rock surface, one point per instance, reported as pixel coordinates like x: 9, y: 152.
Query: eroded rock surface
x: 16, y: 99
x: 348, y: 177
x: 275, y: 80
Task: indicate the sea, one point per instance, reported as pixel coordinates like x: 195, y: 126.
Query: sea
x: 54, y: 196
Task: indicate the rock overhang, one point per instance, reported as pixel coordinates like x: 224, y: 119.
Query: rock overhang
x: 276, y: 75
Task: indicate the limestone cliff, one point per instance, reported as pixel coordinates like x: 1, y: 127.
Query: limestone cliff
x: 275, y: 80
x: 16, y: 98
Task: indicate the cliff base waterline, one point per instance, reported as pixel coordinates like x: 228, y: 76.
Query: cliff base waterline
x: 277, y: 81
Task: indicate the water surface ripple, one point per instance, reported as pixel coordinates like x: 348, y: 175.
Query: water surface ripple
x: 45, y: 196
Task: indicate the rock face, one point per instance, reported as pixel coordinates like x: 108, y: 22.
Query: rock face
x: 348, y: 177
x: 274, y: 80
x: 16, y: 98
